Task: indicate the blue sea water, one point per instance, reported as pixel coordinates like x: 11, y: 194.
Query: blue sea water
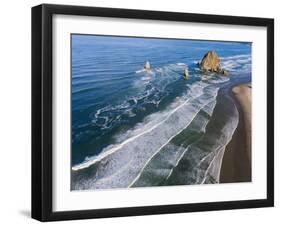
x: 132, y: 127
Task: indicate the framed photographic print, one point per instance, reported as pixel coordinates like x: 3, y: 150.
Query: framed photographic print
x: 146, y: 112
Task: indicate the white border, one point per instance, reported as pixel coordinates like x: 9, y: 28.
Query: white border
x: 64, y: 199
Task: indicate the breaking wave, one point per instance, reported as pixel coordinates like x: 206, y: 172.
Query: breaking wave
x: 241, y: 63
x: 195, y: 155
x: 137, y: 151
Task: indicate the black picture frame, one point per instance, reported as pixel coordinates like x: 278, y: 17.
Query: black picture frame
x: 42, y: 111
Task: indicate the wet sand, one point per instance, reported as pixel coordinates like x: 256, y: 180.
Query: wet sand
x: 236, y: 164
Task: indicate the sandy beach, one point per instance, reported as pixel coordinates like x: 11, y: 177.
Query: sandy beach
x: 236, y: 165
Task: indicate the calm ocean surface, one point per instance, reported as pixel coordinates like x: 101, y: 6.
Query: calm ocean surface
x: 132, y: 127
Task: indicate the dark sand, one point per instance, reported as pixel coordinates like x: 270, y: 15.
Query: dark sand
x: 236, y: 164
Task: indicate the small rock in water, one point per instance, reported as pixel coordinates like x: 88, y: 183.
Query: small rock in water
x: 147, y: 65
x: 186, y: 73
x: 224, y: 72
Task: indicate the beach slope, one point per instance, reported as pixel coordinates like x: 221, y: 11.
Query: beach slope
x: 236, y: 165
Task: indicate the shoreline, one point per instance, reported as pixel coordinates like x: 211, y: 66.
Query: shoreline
x: 236, y: 163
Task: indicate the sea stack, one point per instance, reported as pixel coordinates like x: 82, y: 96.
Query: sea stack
x: 210, y: 62
x: 147, y: 65
x: 186, y: 73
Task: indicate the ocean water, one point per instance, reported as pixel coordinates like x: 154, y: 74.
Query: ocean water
x: 137, y: 128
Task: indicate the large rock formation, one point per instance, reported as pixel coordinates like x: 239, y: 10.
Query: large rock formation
x: 210, y: 62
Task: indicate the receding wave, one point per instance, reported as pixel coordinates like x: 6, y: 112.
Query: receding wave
x: 195, y: 155
x: 201, y: 161
x: 160, y: 166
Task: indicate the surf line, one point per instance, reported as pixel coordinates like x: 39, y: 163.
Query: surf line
x: 217, y: 151
x: 114, y: 149
x: 211, y: 164
x: 159, y: 149
x: 187, y: 148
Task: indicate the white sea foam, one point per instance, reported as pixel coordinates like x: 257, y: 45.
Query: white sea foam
x: 203, y: 156
x: 194, y: 91
x: 146, y: 78
x: 214, y: 78
x: 214, y: 167
x: 237, y: 62
x: 150, y: 122
x: 181, y: 64
x: 167, y: 158
x: 140, y: 71
x: 148, y: 88
x: 206, y: 160
x: 119, y: 164
x: 215, y: 162
x: 220, y: 80
x: 159, y: 149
